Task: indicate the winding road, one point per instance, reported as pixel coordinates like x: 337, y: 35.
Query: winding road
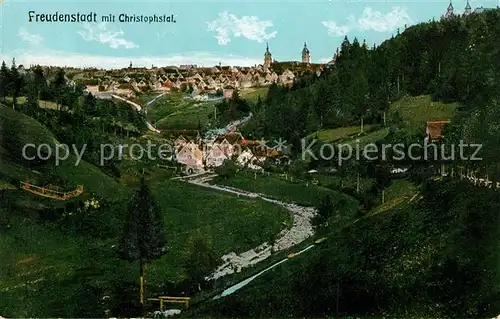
x: 157, y: 97
x: 139, y: 109
x: 211, y: 135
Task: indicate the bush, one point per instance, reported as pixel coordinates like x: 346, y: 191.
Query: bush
x: 227, y: 169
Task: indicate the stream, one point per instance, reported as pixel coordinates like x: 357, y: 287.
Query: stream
x: 245, y: 282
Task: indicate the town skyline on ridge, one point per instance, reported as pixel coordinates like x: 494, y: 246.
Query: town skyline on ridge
x: 209, y: 35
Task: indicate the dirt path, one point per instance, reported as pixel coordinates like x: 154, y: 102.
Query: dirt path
x: 139, y: 109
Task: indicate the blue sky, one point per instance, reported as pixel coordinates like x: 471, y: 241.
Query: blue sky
x: 205, y: 32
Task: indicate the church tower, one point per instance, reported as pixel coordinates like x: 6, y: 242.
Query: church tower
x: 468, y: 9
x: 306, y: 58
x: 267, y: 58
x: 449, y: 12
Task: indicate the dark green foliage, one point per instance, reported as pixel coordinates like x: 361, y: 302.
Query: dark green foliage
x: 91, y: 121
x: 201, y: 260
x: 5, y: 82
x: 227, y: 169
x: 143, y: 235
x: 16, y: 83
x: 436, y: 260
x: 325, y: 211
x: 5, y: 211
x: 382, y: 177
x: 233, y: 108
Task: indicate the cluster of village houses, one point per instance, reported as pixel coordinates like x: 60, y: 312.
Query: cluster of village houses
x: 199, y: 155
x: 196, y: 154
x: 128, y: 82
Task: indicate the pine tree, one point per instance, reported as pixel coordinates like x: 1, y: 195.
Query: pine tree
x: 201, y: 261
x: 143, y: 235
x: 40, y: 82
x: 16, y: 81
x: 325, y: 211
x: 58, y: 86
x: 32, y: 97
x: 5, y: 82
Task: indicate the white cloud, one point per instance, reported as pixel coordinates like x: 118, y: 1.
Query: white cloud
x: 56, y: 58
x: 98, y: 32
x: 334, y: 29
x: 325, y: 60
x: 370, y: 20
x: 376, y: 21
x: 250, y: 27
x: 31, y: 38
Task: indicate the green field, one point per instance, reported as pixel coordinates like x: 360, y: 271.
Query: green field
x: 45, y: 251
x: 172, y: 111
x: 417, y: 110
x: 232, y: 223
x: 252, y: 94
x: 400, y: 193
x: 332, y: 135
x: 368, y: 138
x: 43, y: 104
x: 334, y: 181
x: 274, y: 187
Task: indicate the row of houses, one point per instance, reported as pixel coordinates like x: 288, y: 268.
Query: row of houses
x: 200, y: 81
x: 130, y: 81
x: 195, y: 154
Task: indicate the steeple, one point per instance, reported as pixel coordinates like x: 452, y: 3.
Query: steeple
x: 267, y: 57
x: 449, y: 12
x: 468, y: 9
x: 306, y: 50
x: 306, y: 58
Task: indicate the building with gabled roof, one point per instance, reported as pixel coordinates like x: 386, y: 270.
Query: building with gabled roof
x: 434, y: 130
x: 215, y: 156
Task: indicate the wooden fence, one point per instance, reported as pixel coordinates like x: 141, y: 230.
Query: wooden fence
x: 167, y: 299
x: 50, y: 193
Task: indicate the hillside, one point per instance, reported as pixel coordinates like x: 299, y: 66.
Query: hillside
x: 18, y: 130
x: 402, y: 261
x: 59, y: 258
x: 415, y: 111
x: 431, y: 255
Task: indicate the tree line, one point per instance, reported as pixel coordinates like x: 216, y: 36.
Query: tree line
x: 452, y: 60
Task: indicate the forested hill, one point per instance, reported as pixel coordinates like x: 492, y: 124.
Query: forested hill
x: 433, y: 254
x: 451, y: 60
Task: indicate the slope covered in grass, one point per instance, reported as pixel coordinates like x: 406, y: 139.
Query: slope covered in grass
x: 289, y: 192
x: 61, y: 264
x: 415, y: 111
x: 231, y: 223
x: 54, y: 268
x: 174, y: 112
x: 252, y: 94
x: 332, y: 135
x: 18, y: 130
